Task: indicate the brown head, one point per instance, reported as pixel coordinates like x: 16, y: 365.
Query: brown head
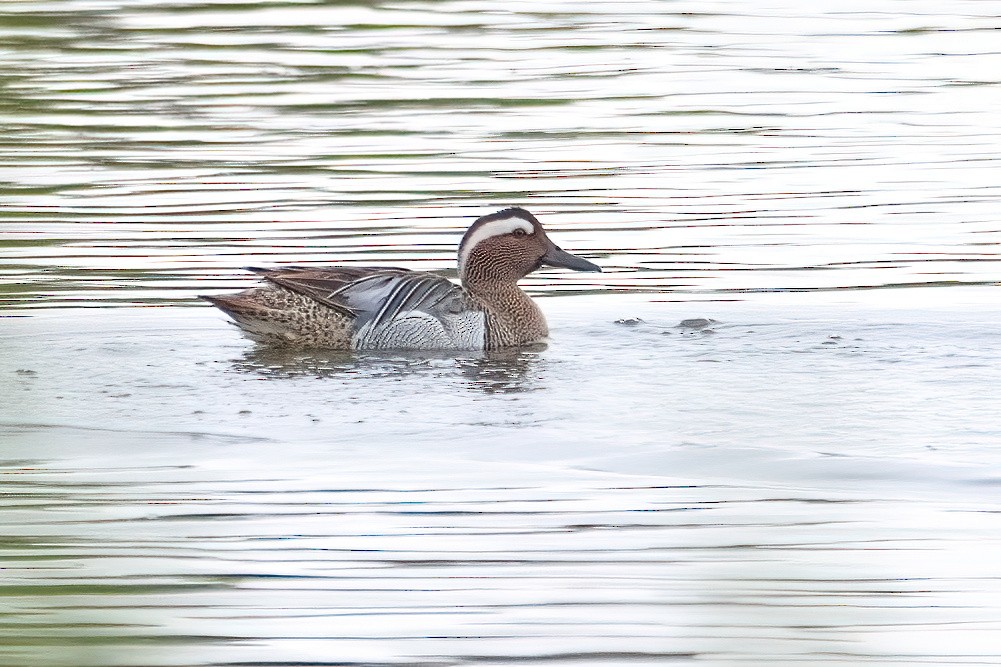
x: 508, y: 245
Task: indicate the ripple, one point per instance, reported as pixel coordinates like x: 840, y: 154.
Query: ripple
x: 143, y: 150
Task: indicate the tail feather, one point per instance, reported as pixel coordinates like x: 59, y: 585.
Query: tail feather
x: 276, y: 316
x: 257, y: 321
x: 223, y: 301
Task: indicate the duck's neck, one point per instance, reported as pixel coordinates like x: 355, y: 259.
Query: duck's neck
x: 513, y: 318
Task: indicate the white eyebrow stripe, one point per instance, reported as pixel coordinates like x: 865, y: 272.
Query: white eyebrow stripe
x: 488, y: 230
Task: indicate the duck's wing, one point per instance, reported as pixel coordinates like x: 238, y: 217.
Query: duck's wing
x: 352, y: 290
x: 392, y: 307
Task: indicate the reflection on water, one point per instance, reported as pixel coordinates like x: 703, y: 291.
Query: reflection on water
x: 147, y: 153
x: 173, y: 496
x: 504, y: 371
x: 271, y: 362
x: 494, y: 371
x: 799, y: 472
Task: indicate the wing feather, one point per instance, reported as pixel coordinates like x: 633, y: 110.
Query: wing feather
x: 334, y: 286
x: 373, y: 296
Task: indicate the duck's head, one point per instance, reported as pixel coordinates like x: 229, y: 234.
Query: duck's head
x: 508, y: 245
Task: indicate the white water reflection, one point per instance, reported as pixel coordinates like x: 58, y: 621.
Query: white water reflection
x: 193, y: 501
x: 812, y: 478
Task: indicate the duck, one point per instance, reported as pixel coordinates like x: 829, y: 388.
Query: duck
x: 390, y: 308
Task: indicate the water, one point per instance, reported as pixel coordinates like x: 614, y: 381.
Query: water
x: 810, y: 475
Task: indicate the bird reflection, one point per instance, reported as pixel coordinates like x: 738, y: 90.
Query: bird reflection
x: 492, y: 372
x: 506, y: 371
x: 273, y: 362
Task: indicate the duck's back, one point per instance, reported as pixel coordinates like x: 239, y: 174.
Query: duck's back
x: 366, y: 308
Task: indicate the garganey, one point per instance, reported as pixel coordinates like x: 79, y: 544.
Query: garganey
x: 377, y: 308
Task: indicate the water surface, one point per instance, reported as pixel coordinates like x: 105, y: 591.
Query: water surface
x: 806, y: 471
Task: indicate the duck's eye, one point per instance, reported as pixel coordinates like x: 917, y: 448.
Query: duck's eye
x: 519, y: 232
